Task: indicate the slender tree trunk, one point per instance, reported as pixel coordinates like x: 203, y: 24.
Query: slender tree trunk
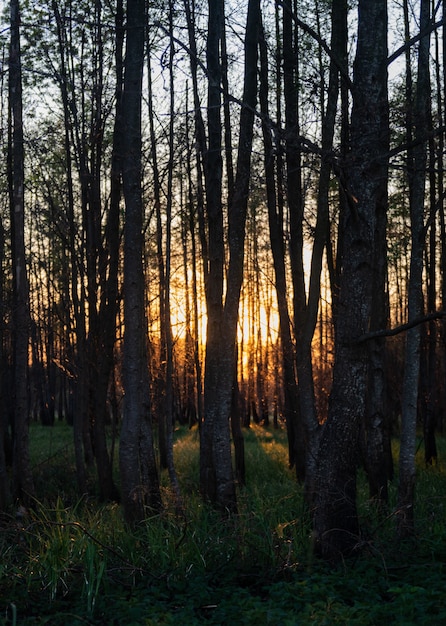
x: 275, y: 220
x: 81, y: 435
x: 169, y: 340
x: 335, y: 520
x: 139, y: 477
x: 442, y: 210
x: 198, y: 216
x: 5, y: 487
x: 406, y: 485
x: 23, y: 485
x: 217, y: 481
x: 161, y: 374
x: 376, y: 423
x: 311, y: 308
x: 376, y: 433
x: 214, y: 273
x: 436, y: 174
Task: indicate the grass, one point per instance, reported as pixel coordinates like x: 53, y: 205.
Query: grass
x: 73, y: 562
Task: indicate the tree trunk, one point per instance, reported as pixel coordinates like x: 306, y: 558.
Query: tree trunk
x: 217, y: 479
x: 335, y: 520
x: 165, y: 330
x: 429, y: 393
x: 310, y: 308
x: 275, y: 220
x: 139, y: 478
x: 5, y: 487
x: 417, y: 173
x: 23, y: 485
x: 81, y: 435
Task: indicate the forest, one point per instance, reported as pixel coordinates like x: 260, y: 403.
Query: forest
x: 222, y: 223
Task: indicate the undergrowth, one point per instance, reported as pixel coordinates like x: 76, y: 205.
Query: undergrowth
x: 72, y: 561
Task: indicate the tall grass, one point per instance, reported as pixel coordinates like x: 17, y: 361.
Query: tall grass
x: 74, y: 561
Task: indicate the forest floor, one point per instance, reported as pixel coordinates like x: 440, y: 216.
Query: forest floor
x: 74, y: 562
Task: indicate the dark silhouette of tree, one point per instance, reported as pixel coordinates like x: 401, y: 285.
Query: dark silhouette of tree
x: 23, y: 484
x: 5, y: 487
x: 139, y: 477
x: 335, y: 520
x: 417, y: 159
x: 275, y: 219
x: 216, y: 475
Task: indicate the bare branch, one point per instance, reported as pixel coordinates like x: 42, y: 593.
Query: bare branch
x: 390, y: 332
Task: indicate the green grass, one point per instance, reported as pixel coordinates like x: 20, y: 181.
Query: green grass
x: 72, y: 561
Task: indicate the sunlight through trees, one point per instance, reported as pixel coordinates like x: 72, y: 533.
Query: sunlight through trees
x: 217, y: 215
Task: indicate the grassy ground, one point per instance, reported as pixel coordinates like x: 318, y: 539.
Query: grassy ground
x: 73, y: 562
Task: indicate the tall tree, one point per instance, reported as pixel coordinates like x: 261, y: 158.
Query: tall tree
x: 95, y: 274
x: 167, y: 308
x: 216, y: 474
x: 294, y: 194
x: 82, y: 442
x: 417, y: 159
x: 102, y: 262
x: 275, y: 219
x: 139, y: 477
x: 5, y: 487
x: 376, y: 438
x: 335, y: 520
x: 23, y: 485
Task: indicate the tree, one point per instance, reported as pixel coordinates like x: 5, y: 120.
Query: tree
x: 139, y: 478
x: 335, y: 520
x: 5, y: 487
x: 274, y: 201
x: 216, y: 475
x: 417, y: 159
x: 23, y: 484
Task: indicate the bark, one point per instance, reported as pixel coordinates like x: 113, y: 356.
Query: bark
x: 195, y: 408
x: 217, y: 481
x: 167, y: 322
x: 429, y: 394
x: 23, y: 484
x: 335, y: 520
x: 311, y: 303
x: 417, y: 172
x: 202, y: 155
x: 376, y: 424
x: 5, y: 487
x: 161, y: 375
x: 442, y: 209
x: 376, y: 427
x: 139, y: 477
x: 275, y: 221
x: 295, y: 207
x: 198, y: 217
x: 236, y: 430
x: 214, y: 269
